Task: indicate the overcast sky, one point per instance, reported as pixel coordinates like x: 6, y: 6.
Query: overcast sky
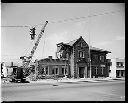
x: 106, y: 29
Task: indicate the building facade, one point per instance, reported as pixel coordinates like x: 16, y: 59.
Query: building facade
x: 117, y: 69
x: 7, y: 71
x: 52, y: 67
x: 99, y: 63
x: 81, y: 60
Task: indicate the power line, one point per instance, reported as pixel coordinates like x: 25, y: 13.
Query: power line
x: 70, y: 19
x: 78, y: 18
x: 9, y: 55
x: 83, y: 17
x: 15, y: 26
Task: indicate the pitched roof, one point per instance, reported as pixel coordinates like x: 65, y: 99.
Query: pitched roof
x: 91, y: 48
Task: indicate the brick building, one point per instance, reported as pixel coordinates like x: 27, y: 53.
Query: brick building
x: 76, y: 56
x: 52, y: 67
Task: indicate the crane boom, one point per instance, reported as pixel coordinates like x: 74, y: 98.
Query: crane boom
x: 27, y: 60
x: 38, y: 40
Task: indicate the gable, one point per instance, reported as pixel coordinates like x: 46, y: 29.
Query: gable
x: 81, y: 43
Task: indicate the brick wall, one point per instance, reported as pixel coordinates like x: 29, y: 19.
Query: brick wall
x: 80, y: 61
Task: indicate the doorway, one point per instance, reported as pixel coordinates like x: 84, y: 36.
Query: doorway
x: 81, y: 72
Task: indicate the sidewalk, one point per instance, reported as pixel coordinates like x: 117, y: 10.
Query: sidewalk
x: 67, y: 80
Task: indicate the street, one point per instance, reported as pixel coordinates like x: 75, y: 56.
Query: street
x: 79, y: 91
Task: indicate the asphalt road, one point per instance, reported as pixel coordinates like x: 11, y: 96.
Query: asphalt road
x: 80, y: 91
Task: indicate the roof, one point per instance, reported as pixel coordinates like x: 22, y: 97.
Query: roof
x: 71, y: 43
x: 98, y: 49
x: 55, y: 61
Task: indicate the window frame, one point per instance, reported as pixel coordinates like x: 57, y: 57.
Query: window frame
x: 102, y: 70
x: 81, y: 44
x: 120, y: 64
x: 81, y: 54
x: 96, y: 69
x: 56, y: 70
x: 64, y: 69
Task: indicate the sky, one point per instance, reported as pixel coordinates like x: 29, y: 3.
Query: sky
x: 104, y: 23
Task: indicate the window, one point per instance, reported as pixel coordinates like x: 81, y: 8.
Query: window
x: 122, y: 73
x: 96, y: 57
x: 64, y: 71
x: 46, y: 70
x: 117, y: 73
x: 53, y: 71
x: 43, y: 70
x: 81, y: 44
x: 102, y: 70
x: 119, y: 64
x: 57, y: 71
x: 102, y: 58
x: 96, y: 69
x: 81, y: 54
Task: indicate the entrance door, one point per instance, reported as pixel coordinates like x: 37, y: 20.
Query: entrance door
x: 81, y: 72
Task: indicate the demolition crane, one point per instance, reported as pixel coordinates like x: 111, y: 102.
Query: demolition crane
x: 25, y: 71
x: 26, y: 60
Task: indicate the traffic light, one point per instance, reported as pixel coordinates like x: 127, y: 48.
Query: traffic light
x: 32, y: 33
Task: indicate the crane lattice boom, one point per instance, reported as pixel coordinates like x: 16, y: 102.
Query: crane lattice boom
x: 27, y: 60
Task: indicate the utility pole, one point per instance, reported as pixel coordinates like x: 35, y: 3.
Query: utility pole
x: 36, y: 66
x: 90, y: 57
x: 90, y: 50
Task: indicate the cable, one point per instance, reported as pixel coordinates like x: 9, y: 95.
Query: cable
x: 77, y: 18
x: 83, y: 17
x: 15, y: 26
x: 70, y: 19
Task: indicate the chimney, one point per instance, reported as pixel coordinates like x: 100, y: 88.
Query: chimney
x: 11, y: 64
x: 50, y: 57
